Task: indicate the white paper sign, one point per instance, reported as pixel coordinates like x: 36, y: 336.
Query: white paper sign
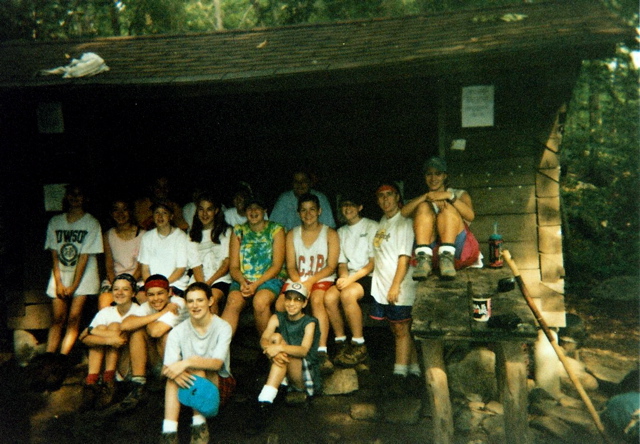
x: 53, y: 195
x: 477, y: 106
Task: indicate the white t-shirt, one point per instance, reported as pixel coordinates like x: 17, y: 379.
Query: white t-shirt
x: 70, y: 240
x: 164, y: 254
x: 184, y: 341
x: 356, y: 243
x: 168, y: 318
x: 188, y: 212
x: 212, y: 255
x: 312, y: 259
x: 109, y: 315
x: 393, y: 239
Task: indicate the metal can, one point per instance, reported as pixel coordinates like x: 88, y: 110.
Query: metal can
x: 481, y: 308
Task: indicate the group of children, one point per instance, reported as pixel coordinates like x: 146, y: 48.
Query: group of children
x: 184, y: 279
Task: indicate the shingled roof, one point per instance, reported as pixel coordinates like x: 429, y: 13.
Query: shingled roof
x: 520, y: 35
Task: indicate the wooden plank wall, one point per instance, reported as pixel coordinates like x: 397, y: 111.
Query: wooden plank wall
x: 512, y: 172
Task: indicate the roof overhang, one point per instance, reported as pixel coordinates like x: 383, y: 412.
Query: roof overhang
x: 511, y: 37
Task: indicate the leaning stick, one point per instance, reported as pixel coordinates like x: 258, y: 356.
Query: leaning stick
x: 547, y: 331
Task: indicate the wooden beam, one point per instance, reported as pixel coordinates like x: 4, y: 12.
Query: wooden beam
x: 511, y: 371
x: 435, y: 375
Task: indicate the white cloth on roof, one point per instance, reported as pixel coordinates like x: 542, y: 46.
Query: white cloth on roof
x: 89, y: 64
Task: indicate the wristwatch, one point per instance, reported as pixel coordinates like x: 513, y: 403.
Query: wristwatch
x: 453, y: 198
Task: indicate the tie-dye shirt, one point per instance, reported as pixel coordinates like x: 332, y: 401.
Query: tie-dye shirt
x: 256, y: 250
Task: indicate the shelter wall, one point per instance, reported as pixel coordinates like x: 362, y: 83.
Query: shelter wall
x: 512, y: 171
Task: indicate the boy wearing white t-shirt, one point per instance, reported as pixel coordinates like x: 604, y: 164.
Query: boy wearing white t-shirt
x: 355, y: 266
x: 393, y: 288
x: 198, y: 347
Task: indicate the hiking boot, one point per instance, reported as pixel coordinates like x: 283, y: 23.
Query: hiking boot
x: 447, y: 268
x: 90, y: 393
x: 341, y: 348
x: 169, y: 438
x: 423, y: 267
x: 397, y: 386
x: 200, y: 434
x: 326, y: 366
x: 296, y: 398
x: 415, y: 385
x: 356, y: 354
x: 105, y: 397
x: 131, y: 401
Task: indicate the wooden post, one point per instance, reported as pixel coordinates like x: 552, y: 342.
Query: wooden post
x: 511, y: 368
x: 436, y: 381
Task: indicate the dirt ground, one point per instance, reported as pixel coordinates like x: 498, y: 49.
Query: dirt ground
x: 39, y: 418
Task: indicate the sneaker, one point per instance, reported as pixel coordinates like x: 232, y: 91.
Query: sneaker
x: 131, y: 401
x: 258, y: 422
x: 90, y: 393
x: 200, y: 434
x: 296, y: 398
x: 423, y: 267
x: 326, y: 366
x: 356, y: 354
x: 447, y: 268
x: 169, y: 438
x: 397, y: 386
x: 415, y: 385
x: 105, y: 398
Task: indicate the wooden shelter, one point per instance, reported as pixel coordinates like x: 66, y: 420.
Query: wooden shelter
x: 487, y: 89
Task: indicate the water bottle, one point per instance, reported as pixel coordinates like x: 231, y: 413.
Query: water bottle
x: 495, y: 248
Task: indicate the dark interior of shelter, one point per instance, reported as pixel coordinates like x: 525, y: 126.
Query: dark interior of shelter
x: 348, y: 136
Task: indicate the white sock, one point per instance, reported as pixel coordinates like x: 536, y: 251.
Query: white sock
x: 198, y: 419
x: 340, y: 339
x: 400, y: 369
x: 426, y: 250
x: 445, y: 248
x: 268, y: 394
x: 169, y: 426
x: 358, y: 341
x: 322, y: 349
x: 414, y: 369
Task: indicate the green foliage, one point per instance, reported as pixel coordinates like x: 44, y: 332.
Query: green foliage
x: 601, y: 187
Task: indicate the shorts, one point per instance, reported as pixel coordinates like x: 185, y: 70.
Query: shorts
x: 226, y: 387
x: 222, y: 286
x: 365, y: 283
x: 273, y: 285
x: 391, y: 313
x: 467, y: 250
x: 322, y: 285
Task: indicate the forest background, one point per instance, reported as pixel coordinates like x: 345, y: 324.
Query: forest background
x: 600, y: 149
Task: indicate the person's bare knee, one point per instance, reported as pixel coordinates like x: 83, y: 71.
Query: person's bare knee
x: 276, y: 338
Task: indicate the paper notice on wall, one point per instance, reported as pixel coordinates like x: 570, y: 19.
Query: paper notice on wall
x: 477, y: 106
x: 53, y: 195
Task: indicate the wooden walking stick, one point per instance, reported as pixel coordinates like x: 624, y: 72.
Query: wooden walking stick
x: 543, y: 324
